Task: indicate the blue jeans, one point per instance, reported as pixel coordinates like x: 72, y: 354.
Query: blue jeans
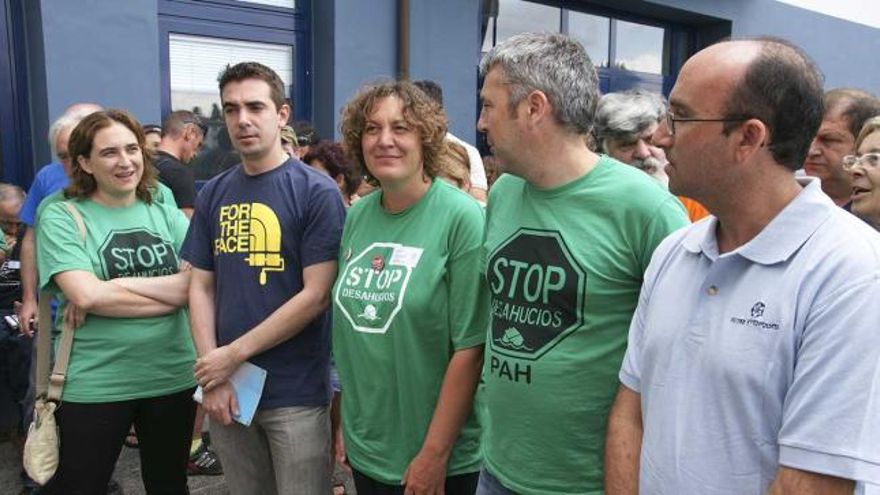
x: 489, y: 485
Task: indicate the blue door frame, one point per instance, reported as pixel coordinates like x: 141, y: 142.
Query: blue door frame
x: 14, y: 121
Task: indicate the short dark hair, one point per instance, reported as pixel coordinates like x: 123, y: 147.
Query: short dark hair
x: 782, y: 87
x: 855, y: 105
x: 254, y: 70
x: 432, y: 89
x: 176, y: 122
x: 83, y: 184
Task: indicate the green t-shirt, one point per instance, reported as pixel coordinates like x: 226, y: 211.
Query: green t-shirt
x: 115, y: 359
x: 162, y: 195
x: 410, y: 292
x: 564, y: 268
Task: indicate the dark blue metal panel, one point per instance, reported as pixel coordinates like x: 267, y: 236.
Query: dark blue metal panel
x: 16, y: 136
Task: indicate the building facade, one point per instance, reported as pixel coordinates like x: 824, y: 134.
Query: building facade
x: 154, y: 56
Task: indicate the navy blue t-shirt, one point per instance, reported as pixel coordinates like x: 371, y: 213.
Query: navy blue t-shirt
x: 257, y: 233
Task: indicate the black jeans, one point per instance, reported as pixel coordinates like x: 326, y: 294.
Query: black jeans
x: 460, y: 484
x: 92, y: 436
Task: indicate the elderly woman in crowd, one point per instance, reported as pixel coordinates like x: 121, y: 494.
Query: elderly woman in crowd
x: 865, y: 169
x: 119, y: 284
x: 409, y: 305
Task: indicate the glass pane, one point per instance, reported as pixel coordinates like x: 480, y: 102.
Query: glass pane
x: 518, y: 16
x: 593, y: 32
x: 639, y: 47
x: 195, y: 63
x: 487, y: 39
x: 274, y: 3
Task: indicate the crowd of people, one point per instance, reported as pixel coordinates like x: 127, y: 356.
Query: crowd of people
x: 627, y: 295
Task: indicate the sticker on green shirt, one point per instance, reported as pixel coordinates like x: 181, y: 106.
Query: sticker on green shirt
x: 374, y: 285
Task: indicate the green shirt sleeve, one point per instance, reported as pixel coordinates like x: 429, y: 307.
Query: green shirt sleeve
x: 178, y: 225
x: 669, y: 217
x: 468, y: 291
x: 59, y: 245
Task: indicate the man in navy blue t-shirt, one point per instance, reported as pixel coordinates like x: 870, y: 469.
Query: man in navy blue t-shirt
x: 263, y: 244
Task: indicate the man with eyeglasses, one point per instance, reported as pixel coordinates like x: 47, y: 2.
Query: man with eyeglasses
x: 182, y: 135
x: 846, y: 110
x: 753, y: 355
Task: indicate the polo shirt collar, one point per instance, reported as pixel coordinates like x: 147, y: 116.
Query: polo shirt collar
x: 784, y: 235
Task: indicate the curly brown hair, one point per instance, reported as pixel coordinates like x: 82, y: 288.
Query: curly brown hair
x: 421, y: 112
x: 82, y: 184
x: 336, y: 162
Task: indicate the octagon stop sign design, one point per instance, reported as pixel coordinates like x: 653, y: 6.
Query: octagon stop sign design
x: 538, y: 293
x: 137, y: 253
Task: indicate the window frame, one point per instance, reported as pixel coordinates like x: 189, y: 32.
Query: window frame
x: 612, y: 78
x: 252, y: 22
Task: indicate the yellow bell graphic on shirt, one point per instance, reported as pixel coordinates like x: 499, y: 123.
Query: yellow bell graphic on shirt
x: 265, y: 241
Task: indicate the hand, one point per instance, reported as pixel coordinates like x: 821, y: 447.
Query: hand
x: 217, y: 366
x: 220, y: 403
x: 74, y: 316
x: 27, y: 316
x: 339, y: 449
x: 426, y: 474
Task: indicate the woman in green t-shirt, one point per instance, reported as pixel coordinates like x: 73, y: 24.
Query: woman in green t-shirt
x: 410, y: 306
x: 120, y: 287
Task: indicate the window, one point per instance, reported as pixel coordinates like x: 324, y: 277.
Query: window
x: 194, y: 64
x: 627, y: 53
x: 196, y: 61
x: 594, y: 33
x: 199, y: 39
x: 289, y: 4
x: 639, y: 48
x: 519, y: 16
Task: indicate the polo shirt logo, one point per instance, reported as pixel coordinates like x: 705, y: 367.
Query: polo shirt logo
x: 758, y: 309
x: 757, y: 318
x: 538, y: 293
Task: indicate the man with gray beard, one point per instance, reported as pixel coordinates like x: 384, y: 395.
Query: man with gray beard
x: 623, y: 128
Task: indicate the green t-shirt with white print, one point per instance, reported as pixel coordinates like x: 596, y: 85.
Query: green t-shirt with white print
x: 115, y: 359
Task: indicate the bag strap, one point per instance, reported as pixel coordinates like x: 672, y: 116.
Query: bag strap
x: 53, y: 385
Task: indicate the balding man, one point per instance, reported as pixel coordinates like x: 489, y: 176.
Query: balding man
x: 49, y: 179
x: 753, y: 356
x: 846, y: 110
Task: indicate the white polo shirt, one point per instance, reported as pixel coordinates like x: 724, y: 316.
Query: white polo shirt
x: 763, y: 356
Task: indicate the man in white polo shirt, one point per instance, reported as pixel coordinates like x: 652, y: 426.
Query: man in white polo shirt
x: 753, y: 362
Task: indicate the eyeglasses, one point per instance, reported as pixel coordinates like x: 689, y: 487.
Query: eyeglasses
x: 671, y: 119
x: 868, y: 160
